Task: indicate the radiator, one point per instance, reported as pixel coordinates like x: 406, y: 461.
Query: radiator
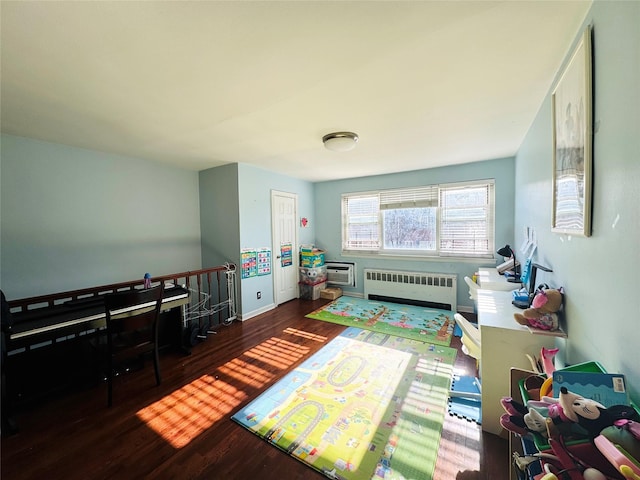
x: 438, y: 290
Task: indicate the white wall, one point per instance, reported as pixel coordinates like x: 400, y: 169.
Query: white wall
x: 599, y: 273
x: 75, y: 218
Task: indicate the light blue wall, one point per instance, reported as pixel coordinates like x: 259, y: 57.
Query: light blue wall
x: 75, y: 218
x: 235, y: 213
x: 219, y: 215
x: 328, y: 214
x: 255, y: 186
x: 602, y: 314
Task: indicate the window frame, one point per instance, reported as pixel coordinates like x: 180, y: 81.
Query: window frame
x: 416, y: 197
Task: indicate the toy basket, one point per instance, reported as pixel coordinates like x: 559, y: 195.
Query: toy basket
x: 540, y: 441
x: 581, y: 448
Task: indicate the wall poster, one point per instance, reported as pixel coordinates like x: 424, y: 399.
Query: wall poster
x: 264, y: 261
x: 286, y: 254
x: 572, y: 143
x: 249, y: 262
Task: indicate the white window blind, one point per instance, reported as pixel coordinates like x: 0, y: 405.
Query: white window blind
x: 360, y: 222
x: 466, y: 220
x: 433, y: 220
x: 409, y: 198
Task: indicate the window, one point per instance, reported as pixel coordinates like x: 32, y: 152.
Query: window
x: 436, y: 220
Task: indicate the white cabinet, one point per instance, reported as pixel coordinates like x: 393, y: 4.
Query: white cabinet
x: 504, y: 344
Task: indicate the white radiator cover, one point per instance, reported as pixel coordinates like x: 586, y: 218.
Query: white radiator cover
x: 419, y: 286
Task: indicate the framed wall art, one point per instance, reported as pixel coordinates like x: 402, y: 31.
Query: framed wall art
x: 571, y: 105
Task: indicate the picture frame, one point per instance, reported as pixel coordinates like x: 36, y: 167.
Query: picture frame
x: 572, y: 122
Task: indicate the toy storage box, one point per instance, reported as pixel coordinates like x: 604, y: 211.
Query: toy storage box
x: 311, y: 292
x: 313, y: 275
x: 311, y: 257
x: 331, y: 293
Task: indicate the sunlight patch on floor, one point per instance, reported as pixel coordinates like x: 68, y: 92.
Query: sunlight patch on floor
x: 459, y: 451
x: 461, y: 372
x: 185, y: 413
x: 303, y: 334
x: 246, y: 372
x: 277, y: 352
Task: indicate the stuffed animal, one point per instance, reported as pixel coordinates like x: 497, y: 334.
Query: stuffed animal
x: 571, y: 413
x: 543, y: 313
x: 532, y: 417
x: 591, y: 415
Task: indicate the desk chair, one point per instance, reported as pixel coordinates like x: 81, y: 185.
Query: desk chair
x: 473, y: 288
x: 132, y: 332
x: 470, y: 346
x: 470, y: 336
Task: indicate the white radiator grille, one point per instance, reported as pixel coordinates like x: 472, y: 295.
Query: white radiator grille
x: 436, y: 288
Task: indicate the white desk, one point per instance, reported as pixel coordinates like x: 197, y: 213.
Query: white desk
x: 504, y: 344
x: 490, y: 279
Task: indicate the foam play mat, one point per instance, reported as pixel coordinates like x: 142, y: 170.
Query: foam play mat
x: 365, y: 406
x: 461, y: 405
x: 429, y: 325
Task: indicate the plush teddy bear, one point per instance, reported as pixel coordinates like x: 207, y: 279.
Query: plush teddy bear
x: 543, y: 313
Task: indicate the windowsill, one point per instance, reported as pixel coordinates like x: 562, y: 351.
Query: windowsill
x: 388, y: 256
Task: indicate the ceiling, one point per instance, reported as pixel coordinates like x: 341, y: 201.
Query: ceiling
x: 201, y: 84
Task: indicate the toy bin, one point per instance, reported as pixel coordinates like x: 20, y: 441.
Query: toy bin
x: 313, y: 275
x: 331, y: 293
x: 580, y: 447
x: 314, y: 258
x: 311, y: 292
x: 589, y: 367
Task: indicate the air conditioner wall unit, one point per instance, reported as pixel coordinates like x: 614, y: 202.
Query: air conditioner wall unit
x: 341, y: 273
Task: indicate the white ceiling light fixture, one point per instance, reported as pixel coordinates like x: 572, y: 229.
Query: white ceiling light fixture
x: 340, y: 141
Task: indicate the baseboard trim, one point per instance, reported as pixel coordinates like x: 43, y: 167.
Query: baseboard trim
x: 353, y: 294
x: 246, y: 316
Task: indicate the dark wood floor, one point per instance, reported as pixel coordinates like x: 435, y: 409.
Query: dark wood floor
x: 182, y: 429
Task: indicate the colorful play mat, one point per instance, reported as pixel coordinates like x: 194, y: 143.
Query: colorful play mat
x: 418, y: 323
x: 366, y: 406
